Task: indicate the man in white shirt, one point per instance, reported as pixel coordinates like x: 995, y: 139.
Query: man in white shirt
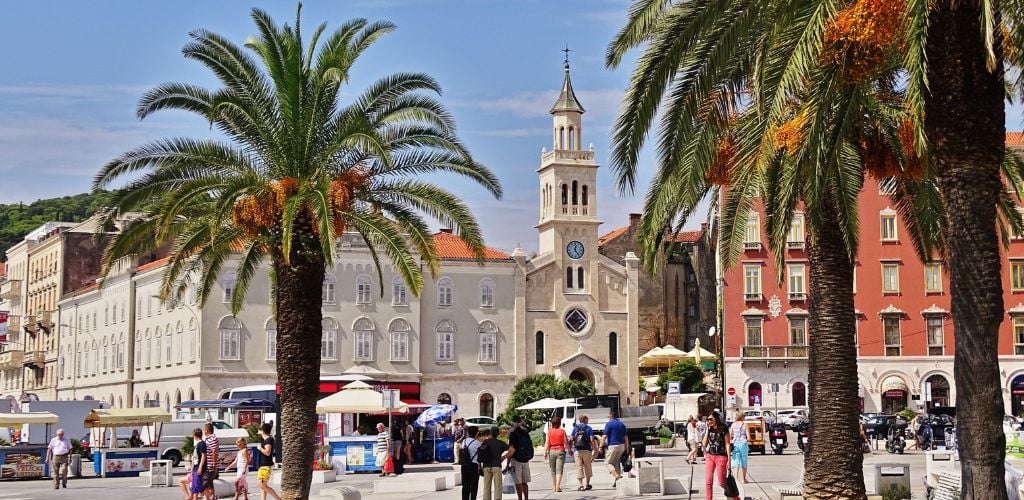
x: 57, y: 457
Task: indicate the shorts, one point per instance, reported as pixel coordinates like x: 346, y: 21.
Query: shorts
x: 263, y: 475
x: 613, y: 457
x: 556, y: 461
x: 740, y: 453
x: 196, y: 483
x: 520, y: 471
x: 208, y: 478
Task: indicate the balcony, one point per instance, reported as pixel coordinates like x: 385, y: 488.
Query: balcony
x: 34, y: 359
x: 10, y: 289
x: 566, y: 154
x: 13, y: 324
x: 797, y: 296
x: 43, y: 321
x: 751, y: 245
x: 795, y: 245
x: 11, y: 358
x: 752, y: 297
x: 774, y: 352
x: 28, y: 322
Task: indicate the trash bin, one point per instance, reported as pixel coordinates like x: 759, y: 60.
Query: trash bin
x: 888, y: 475
x: 651, y: 475
x: 75, y: 465
x: 160, y: 473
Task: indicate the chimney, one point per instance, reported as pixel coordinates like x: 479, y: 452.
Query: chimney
x: 634, y: 219
x: 446, y: 230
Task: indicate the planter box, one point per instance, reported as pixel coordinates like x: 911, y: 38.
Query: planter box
x: 324, y: 476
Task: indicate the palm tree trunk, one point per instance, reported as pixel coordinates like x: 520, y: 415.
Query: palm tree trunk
x: 833, y: 465
x: 965, y: 126
x: 299, y: 318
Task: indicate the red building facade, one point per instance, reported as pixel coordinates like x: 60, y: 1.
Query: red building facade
x: 904, y: 329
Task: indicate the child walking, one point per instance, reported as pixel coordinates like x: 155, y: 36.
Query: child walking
x: 241, y: 462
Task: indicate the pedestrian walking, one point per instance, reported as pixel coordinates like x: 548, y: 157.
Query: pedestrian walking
x: 197, y: 485
x: 491, y: 453
x: 740, y: 446
x: 469, y: 462
x: 615, y: 444
x: 381, y: 451
x: 520, y: 452
x: 584, y: 443
x: 212, y: 460
x: 702, y: 430
x: 459, y: 433
x: 57, y: 456
x: 692, y: 440
x: 186, y: 482
x: 266, y: 462
x: 555, y: 448
x: 241, y: 465
x: 396, y: 448
x: 717, y: 448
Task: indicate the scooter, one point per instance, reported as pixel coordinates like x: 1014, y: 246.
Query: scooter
x: 803, y: 436
x: 924, y: 435
x: 778, y: 438
x: 895, y: 442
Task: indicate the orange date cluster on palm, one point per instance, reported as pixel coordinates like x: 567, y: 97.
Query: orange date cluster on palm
x: 343, y: 191
x: 789, y: 136
x: 882, y: 162
x: 725, y: 157
x: 860, y: 37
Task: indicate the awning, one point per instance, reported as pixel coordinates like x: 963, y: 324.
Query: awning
x: 35, y: 417
x: 415, y: 403
x: 356, y: 397
x: 125, y: 417
x: 894, y: 383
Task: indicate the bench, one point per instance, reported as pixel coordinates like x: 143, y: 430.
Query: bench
x: 340, y: 493
x: 411, y: 483
x: 794, y: 490
x: 948, y: 487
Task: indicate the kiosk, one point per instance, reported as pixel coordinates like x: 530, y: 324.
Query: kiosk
x: 110, y: 460
x: 25, y: 461
x: 357, y: 453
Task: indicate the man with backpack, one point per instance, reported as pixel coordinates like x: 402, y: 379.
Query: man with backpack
x: 469, y: 460
x: 520, y: 452
x: 584, y: 443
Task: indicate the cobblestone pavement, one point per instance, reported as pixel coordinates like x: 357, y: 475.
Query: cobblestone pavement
x: 765, y: 472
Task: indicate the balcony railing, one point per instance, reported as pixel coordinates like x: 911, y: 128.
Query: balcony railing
x: 567, y: 154
x: 774, y: 352
x: 10, y: 289
x: 11, y: 358
x: 795, y: 245
x: 34, y: 358
x: 13, y: 324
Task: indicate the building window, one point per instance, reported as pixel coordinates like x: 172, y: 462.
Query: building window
x: 488, y: 342
x: 229, y: 286
x: 1017, y: 276
x: 613, y: 349
x: 568, y: 277
x: 329, y: 339
x: 120, y: 352
x: 932, y: 277
x: 158, y: 353
x: 539, y: 347
x: 799, y: 394
x: 798, y: 331
x: 194, y: 328
x: 327, y: 291
x: 230, y: 338
x: 180, y: 333
x: 271, y: 339
x: 486, y: 405
x: 752, y: 282
x: 363, y: 284
x: 579, y: 278
x: 888, y: 219
x: 936, y: 339
x: 797, y: 291
x: 364, y: 339
x: 1018, y: 335
x: 169, y: 350
x: 444, y: 292
x: 752, y: 239
x: 753, y: 331
x: 399, y: 292
x: 105, y: 351
x: 147, y: 350
x: 891, y: 331
x: 486, y: 292
x: 890, y: 278
x: 445, y: 341
x: 138, y: 350
x: 444, y: 399
x: 795, y: 237
x: 400, y: 340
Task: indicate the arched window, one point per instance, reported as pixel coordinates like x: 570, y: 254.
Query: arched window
x: 168, y: 349
x: 488, y: 342
x: 561, y: 137
x: 121, y: 352
x: 399, y: 292
x: 445, y: 341
x: 179, y: 332
x: 177, y: 396
x: 327, y: 291
x: 137, y: 402
x: 95, y: 358
x: 60, y: 368
x: 105, y: 352
x: 106, y: 315
x: 565, y: 194
x: 540, y: 348
x: 575, y: 196
x: 230, y: 330
x: 157, y: 353
x: 568, y: 277
x: 579, y: 278
x: 363, y: 329
x: 271, y: 328
x: 572, y: 138
x: 120, y: 400
x: 329, y: 339
x: 445, y: 292
x: 799, y: 394
x: 147, y: 350
x: 363, y: 285
x: 399, y: 330
x: 486, y: 292
x: 228, y: 283
x: 138, y: 351
x: 113, y: 314
x: 585, y: 196
x: 193, y: 329
x: 613, y: 349
x: 754, y: 394
x: 486, y: 405
x: 191, y: 395
x: 444, y: 399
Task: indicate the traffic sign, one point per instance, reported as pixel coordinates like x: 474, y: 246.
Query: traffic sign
x: 731, y: 391
x: 673, y: 391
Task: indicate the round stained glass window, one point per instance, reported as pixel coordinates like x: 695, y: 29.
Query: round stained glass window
x: 576, y: 320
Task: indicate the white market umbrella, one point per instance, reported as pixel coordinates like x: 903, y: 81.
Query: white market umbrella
x: 547, y: 404
x: 356, y: 397
x: 650, y: 358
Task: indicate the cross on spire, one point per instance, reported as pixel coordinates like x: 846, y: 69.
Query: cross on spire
x: 567, y: 50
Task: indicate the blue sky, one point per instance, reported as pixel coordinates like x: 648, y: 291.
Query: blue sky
x: 68, y: 93
x: 70, y: 83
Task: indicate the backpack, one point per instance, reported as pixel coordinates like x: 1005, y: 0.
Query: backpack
x: 465, y: 458
x: 580, y: 440
x: 524, y: 447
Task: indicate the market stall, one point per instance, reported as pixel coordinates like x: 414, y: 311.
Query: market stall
x: 354, y: 453
x: 439, y: 447
x: 24, y: 461
x: 110, y: 460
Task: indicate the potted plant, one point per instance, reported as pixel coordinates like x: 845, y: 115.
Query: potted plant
x: 323, y: 471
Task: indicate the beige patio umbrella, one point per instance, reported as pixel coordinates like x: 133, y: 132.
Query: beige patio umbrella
x: 699, y: 354
x: 670, y: 355
x: 650, y: 358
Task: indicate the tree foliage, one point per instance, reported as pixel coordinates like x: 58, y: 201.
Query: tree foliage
x: 18, y: 219
x: 542, y: 385
x: 687, y: 373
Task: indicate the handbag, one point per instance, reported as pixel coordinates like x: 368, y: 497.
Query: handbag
x: 732, y: 490
x: 508, y: 483
x: 389, y: 465
x: 626, y: 462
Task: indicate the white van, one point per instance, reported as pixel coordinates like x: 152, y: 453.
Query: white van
x: 173, y: 434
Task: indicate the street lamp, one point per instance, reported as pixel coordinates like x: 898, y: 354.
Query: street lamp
x: 721, y: 361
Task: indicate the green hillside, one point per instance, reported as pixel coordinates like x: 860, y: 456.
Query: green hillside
x: 18, y: 219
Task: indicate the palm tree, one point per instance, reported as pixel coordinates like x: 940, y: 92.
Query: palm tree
x: 297, y: 168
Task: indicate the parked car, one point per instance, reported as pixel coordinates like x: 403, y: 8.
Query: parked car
x: 173, y: 435
x: 479, y: 421
x: 878, y: 425
x: 766, y: 415
x: 792, y: 418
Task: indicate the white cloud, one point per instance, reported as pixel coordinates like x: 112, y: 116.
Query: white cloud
x: 536, y: 104
x: 70, y: 94
x: 514, y: 132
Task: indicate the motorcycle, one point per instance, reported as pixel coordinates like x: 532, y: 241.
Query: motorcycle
x: 803, y: 436
x: 925, y: 435
x: 778, y: 438
x: 895, y: 441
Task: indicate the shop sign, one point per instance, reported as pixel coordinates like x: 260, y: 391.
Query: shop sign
x: 22, y: 465
x: 895, y: 394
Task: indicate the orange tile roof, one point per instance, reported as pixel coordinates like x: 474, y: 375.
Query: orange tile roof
x: 451, y: 247
x: 615, y: 233
x: 154, y: 264
x: 1015, y: 139
x: 3, y: 268
x: 84, y: 289
x: 687, y: 236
